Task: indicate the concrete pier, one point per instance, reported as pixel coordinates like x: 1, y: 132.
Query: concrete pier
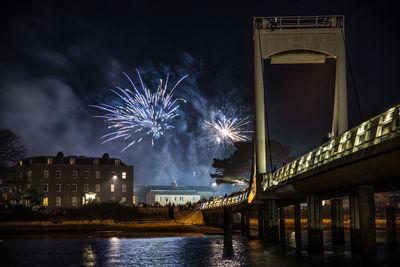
x: 297, y: 224
x: 242, y: 222
x: 282, y: 224
x: 391, y: 226
x: 354, y: 223
x: 367, y: 219
x: 228, y: 228
x: 260, y: 212
x: 271, y: 228
x: 314, y: 221
x: 337, y: 221
x: 247, y: 222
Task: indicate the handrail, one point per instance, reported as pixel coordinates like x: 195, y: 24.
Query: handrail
x: 224, y: 202
x: 380, y: 128
x: 298, y: 22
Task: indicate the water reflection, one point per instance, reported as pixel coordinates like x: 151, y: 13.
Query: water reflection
x: 89, y: 256
x: 175, y: 251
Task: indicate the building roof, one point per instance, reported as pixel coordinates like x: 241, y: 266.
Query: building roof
x: 174, y: 192
x: 79, y: 160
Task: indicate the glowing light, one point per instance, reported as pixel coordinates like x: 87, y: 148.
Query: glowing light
x: 227, y: 130
x: 141, y: 113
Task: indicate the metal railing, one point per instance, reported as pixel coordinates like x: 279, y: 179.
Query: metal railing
x: 298, y: 22
x: 223, y: 202
x: 380, y: 128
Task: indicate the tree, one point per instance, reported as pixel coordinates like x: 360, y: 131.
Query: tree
x: 35, y: 198
x: 237, y: 167
x: 11, y: 148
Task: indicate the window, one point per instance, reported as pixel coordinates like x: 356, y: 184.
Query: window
x: 30, y: 161
x: 86, y: 187
x: 74, y: 201
x: 74, y: 187
x: 29, y: 176
x: 20, y: 163
x: 96, y: 162
x: 46, y: 174
x: 160, y: 198
x: 97, y: 189
x: 180, y: 198
x: 45, y: 187
x: 72, y: 161
x: 97, y: 199
x: 29, y: 186
x: 49, y: 161
x: 174, y: 198
x: 123, y: 199
x: 123, y: 175
x: 97, y: 174
x: 58, y: 187
x: 116, y: 162
x: 45, y: 201
x: 58, y: 201
x: 86, y: 174
x: 58, y: 174
x: 112, y: 188
x: 74, y: 174
x: 124, y: 188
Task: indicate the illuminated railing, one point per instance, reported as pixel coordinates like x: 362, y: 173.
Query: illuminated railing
x: 380, y: 128
x: 223, y: 202
x: 298, y: 22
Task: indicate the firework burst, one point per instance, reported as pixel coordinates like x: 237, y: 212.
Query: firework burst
x: 141, y: 112
x: 227, y: 130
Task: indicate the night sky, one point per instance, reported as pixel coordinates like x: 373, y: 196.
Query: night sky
x: 59, y: 57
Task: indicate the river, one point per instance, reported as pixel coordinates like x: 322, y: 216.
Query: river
x: 178, y: 251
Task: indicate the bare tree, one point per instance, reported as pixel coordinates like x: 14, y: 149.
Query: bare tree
x: 11, y: 148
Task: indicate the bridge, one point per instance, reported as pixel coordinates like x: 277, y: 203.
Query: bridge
x: 353, y: 164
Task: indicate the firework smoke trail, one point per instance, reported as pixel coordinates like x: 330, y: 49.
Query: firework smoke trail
x: 227, y: 130
x: 147, y: 112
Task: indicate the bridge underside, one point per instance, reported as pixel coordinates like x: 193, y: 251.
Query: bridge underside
x: 377, y: 166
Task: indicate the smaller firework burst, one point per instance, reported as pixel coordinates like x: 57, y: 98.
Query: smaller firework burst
x: 227, y: 130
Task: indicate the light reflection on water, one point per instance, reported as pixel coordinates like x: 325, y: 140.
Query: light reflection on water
x: 174, y: 251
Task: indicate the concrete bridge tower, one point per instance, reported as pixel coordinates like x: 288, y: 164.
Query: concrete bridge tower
x: 298, y: 40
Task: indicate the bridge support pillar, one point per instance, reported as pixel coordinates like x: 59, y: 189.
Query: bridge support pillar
x: 337, y: 221
x: 354, y: 222
x: 391, y: 226
x: 282, y: 224
x: 314, y: 221
x: 367, y: 219
x: 271, y: 228
x: 247, y: 222
x: 297, y: 224
x: 362, y: 220
x: 260, y: 212
x: 242, y: 222
x: 228, y: 230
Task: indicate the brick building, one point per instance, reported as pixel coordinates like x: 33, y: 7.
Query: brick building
x: 71, y: 181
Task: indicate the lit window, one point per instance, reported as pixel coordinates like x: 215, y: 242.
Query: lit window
x: 86, y: 174
x: 49, y: 161
x: 123, y: 175
x: 29, y: 186
x: 96, y: 162
x: 58, y: 187
x: 45, y: 201
x: 74, y: 174
x: 97, y: 199
x: 86, y: 188
x: 124, y: 188
x: 58, y: 174
x: 112, y: 188
x: 29, y: 176
x: 45, y: 187
x: 74, y: 201
x: 72, y: 161
x: 20, y: 163
x: 74, y: 187
x: 123, y: 199
x: 97, y: 174
x: 58, y: 201
x: 97, y: 188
